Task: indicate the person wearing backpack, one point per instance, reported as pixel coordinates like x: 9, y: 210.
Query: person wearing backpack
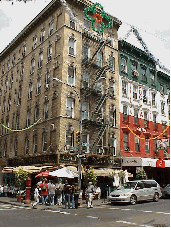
x: 44, y: 191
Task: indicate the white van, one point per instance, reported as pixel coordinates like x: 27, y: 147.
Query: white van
x: 137, y: 190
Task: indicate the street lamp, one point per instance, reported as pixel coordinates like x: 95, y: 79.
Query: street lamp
x: 80, y: 133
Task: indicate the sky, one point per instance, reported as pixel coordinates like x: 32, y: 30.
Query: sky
x: 150, y: 17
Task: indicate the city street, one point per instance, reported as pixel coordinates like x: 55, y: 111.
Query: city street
x: 142, y: 214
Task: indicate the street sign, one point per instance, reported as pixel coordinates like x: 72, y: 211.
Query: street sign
x: 73, y: 148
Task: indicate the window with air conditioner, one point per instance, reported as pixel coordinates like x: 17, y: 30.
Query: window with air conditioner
x: 71, y: 46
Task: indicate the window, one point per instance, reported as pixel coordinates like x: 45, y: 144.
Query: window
x: 36, y: 116
x: 85, y: 141
x: 143, y: 74
x: 147, y: 184
x: 32, y: 66
x: 124, y: 88
x: 11, y: 80
x: 5, y: 149
x: 125, y: 141
x: 40, y: 59
x: 26, y: 145
x: 145, y: 96
x: 85, y: 111
x: 154, y: 121
x: 49, y: 52
x: 23, y: 51
x: 134, y: 69
x: 28, y: 119
x: 145, y: 119
x: 153, y: 99
x: 34, y: 42
x: 140, y: 185
x: 72, y: 23
x: 47, y: 79
x: 135, y: 92
x: 71, y: 75
x: 87, y: 24
x: 15, y: 146
x: 42, y: 36
x: 17, y: 122
x: 22, y: 72
x: 46, y: 111
x: 69, y: 139
x: 19, y: 97
x: 70, y: 107
x: 35, y: 144
x: 13, y: 60
x: 136, y: 115
x: 162, y: 108
x: 113, y: 147
x: 123, y: 65
x: 99, y: 58
x: 161, y: 89
x: 137, y: 144
x: 86, y: 79
x: 6, y: 84
x: 146, y: 144
x: 38, y: 90
x: 112, y: 116
x: 152, y: 78
x: 30, y: 91
x: 111, y: 89
x: 71, y: 46
x: 99, y: 87
x: 125, y: 115
x: 111, y: 62
x: 44, y: 143
x: 9, y: 104
x: 50, y: 28
x: 85, y: 52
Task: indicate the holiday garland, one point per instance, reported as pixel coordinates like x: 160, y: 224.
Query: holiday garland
x: 149, y: 138
x: 98, y: 18
x: 20, y: 129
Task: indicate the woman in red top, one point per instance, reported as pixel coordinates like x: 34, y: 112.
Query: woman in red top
x: 44, y: 191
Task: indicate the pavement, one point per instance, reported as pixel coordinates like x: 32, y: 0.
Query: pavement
x: 13, y: 201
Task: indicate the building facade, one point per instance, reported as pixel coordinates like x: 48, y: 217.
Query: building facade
x: 144, y: 101
x: 39, y: 115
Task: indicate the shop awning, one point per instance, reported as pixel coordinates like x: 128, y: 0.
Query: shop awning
x: 104, y: 172
x: 152, y: 162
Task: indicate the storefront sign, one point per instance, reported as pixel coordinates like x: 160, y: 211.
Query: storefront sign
x: 132, y: 161
x: 160, y: 163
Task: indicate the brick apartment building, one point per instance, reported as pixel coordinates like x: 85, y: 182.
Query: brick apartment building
x: 144, y: 102
x: 51, y: 46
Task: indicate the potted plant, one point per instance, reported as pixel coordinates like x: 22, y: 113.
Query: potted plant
x: 20, y: 181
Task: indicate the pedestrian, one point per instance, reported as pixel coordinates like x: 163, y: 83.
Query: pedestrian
x: 44, y: 191
x: 52, y: 188
x: 1, y: 190
x: 5, y: 190
x: 72, y: 196
x: 67, y: 193
x: 76, y: 195
x: 98, y: 193
x: 59, y: 191
x: 90, y: 193
x: 36, y: 196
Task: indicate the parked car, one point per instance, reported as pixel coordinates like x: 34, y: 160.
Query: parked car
x: 137, y: 190
x: 166, y: 191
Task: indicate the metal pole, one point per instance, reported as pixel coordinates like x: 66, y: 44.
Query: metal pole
x: 80, y: 149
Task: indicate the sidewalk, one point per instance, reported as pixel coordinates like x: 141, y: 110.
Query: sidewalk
x: 13, y: 201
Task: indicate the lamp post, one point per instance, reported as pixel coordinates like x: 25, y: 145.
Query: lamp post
x: 80, y: 129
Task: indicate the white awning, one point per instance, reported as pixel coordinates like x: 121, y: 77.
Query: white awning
x: 152, y: 162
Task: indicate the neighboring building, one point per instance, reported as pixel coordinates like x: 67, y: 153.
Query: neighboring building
x: 51, y: 46
x: 144, y: 102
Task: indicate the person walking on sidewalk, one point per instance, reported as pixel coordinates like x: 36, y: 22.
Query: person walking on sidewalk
x: 59, y: 191
x: 36, y: 196
x: 67, y: 194
x: 90, y: 193
x: 44, y: 191
x: 52, y: 188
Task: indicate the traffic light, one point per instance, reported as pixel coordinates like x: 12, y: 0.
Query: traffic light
x: 78, y: 137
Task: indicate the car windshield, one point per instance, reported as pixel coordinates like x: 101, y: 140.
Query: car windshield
x: 129, y: 185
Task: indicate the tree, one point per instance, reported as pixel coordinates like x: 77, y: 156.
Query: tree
x: 89, y: 176
x: 20, y: 178
x: 141, y: 175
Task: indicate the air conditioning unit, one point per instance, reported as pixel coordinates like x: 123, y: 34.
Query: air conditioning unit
x: 52, y: 126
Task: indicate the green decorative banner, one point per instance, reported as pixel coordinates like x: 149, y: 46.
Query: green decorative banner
x: 98, y: 18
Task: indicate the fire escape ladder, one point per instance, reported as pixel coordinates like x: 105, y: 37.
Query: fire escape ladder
x: 100, y: 74
x: 99, y: 105
x: 98, y: 49
x: 99, y: 136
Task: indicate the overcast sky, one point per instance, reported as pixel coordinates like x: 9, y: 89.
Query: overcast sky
x: 151, y: 17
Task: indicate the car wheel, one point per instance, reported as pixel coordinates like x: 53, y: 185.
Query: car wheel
x: 133, y: 200
x: 156, y: 197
